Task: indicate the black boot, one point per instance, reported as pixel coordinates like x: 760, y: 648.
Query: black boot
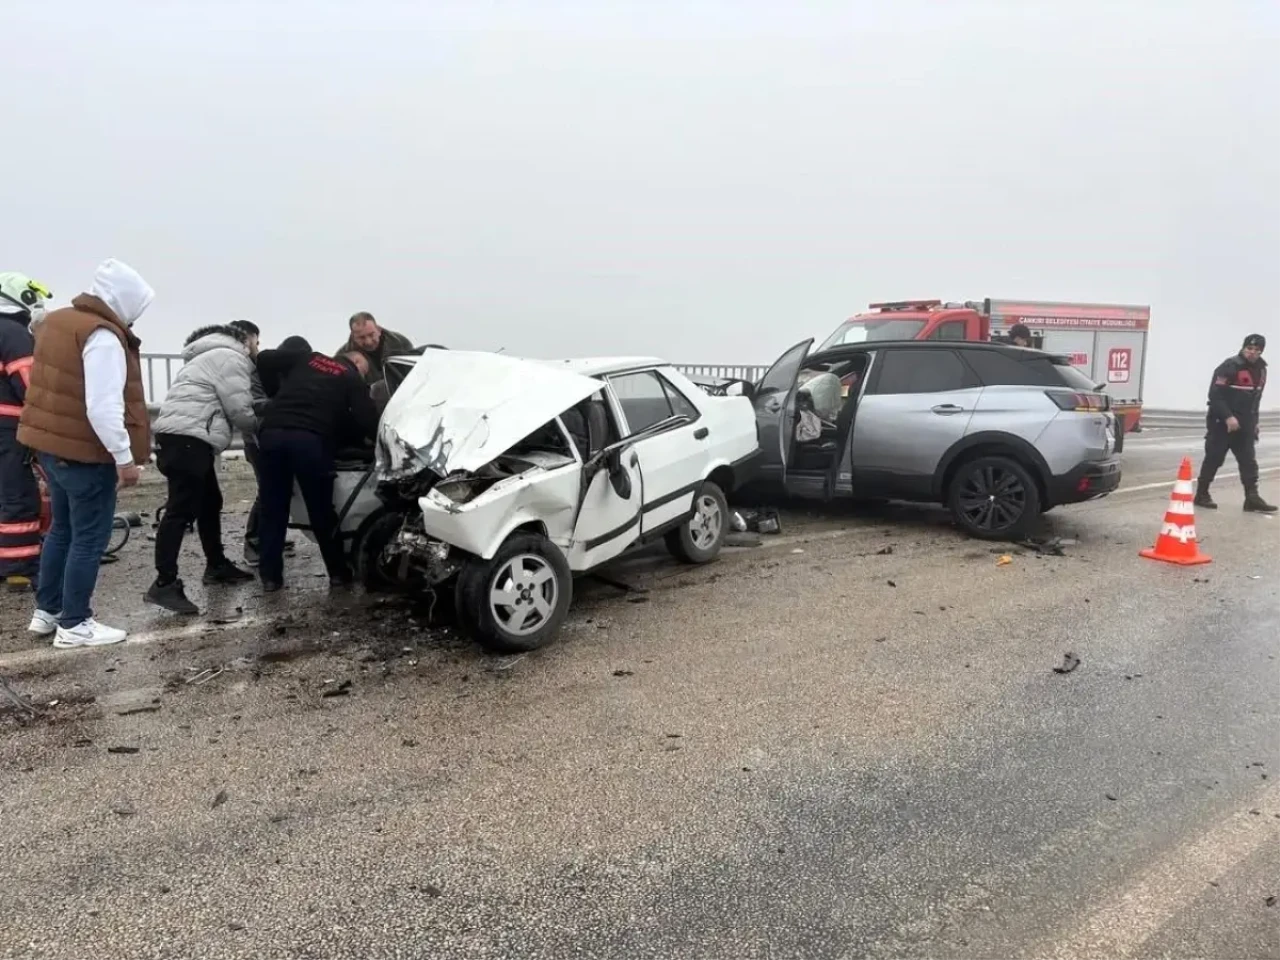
x: 224, y: 571
x: 1202, y: 497
x: 172, y: 596
x: 1253, y: 502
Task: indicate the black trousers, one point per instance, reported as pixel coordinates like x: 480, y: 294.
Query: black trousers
x: 253, y: 526
x: 191, y: 467
x: 287, y: 457
x: 19, y: 506
x: 1242, y: 443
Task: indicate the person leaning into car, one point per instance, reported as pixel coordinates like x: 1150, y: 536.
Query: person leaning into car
x: 316, y: 404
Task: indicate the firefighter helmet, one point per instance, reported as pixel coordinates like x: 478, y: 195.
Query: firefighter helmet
x: 20, y: 294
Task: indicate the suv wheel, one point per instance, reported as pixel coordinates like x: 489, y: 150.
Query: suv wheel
x: 517, y: 601
x: 994, y: 498
x: 700, y: 538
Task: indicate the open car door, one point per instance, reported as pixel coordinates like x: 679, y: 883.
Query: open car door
x: 610, y: 508
x: 775, y: 402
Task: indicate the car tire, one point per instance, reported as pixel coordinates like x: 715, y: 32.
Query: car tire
x: 699, y: 539
x: 545, y: 595
x: 994, y: 498
x: 368, y: 547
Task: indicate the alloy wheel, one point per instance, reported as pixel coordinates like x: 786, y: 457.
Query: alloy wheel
x: 992, y: 498
x: 523, y: 594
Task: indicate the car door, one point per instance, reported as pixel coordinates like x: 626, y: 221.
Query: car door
x: 673, y: 462
x: 774, y: 403
x: 608, y: 518
x: 917, y: 403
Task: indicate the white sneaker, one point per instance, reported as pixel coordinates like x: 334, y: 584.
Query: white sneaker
x: 43, y: 623
x: 90, y: 633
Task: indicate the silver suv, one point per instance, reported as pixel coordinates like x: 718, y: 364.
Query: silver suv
x: 997, y: 433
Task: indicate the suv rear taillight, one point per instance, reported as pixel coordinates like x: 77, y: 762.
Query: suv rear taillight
x: 1079, y: 402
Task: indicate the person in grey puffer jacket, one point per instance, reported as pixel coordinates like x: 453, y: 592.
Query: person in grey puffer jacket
x: 211, y: 395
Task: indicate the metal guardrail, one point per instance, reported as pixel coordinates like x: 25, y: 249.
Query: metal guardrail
x: 158, y: 370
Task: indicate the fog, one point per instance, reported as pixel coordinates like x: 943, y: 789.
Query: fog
x: 707, y: 182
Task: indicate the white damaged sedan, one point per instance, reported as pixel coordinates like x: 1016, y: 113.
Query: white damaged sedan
x: 507, y: 477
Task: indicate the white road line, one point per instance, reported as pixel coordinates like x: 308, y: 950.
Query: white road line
x: 1170, y: 483
x: 1138, y: 911
x: 24, y: 658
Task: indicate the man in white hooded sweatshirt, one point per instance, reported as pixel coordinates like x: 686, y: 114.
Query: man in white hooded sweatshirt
x: 86, y: 417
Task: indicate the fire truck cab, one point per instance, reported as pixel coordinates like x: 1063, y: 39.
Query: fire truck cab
x: 1106, y: 342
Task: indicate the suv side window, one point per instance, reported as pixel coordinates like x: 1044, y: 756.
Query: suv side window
x: 922, y: 371
x: 997, y: 369
x: 647, y: 398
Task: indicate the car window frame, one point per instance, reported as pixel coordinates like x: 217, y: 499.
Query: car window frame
x: 970, y: 381
x: 663, y: 382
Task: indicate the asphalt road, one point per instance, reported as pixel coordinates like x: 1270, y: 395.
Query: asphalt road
x: 816, y: 747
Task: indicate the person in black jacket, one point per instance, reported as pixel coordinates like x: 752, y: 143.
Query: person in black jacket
x: 315, y: 403
x: 1235, y: 398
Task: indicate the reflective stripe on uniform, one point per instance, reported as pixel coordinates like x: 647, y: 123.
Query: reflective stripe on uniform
x: 20, y: 553
x: 22, y: 367
x: 21, y: 526
x: 9, y: 410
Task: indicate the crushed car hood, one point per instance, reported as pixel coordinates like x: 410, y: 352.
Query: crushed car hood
x: 456, y: 411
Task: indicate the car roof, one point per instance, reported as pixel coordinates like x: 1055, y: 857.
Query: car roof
x: 598, y: 366
x: 868, y: 345
x: 586, y: 366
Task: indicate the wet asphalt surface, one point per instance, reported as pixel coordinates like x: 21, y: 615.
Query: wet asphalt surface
x: 847, y: 741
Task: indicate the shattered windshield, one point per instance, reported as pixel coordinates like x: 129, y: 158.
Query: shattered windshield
x: 860, y: 331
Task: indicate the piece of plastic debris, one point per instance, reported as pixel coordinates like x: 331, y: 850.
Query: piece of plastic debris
x: 797, y: 550
x: 623, y: 673
x: 885, y: 551
x: 341, y: 690
x: 1004, y: 560
x: 736, y: 521
x: 123, y: 808
x: 124, y: 750
x: 219, y: 799
x: 891, y: 583
x: 1069, y: 662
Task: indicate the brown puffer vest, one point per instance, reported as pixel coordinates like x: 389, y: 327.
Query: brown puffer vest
x: 54, y: 418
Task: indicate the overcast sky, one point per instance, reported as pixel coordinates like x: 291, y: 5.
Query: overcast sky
x: 705, y: 181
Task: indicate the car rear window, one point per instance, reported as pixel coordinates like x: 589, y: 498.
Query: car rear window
x: 997, y: 368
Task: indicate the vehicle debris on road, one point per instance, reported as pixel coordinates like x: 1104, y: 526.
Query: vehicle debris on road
x: 1069, y: 662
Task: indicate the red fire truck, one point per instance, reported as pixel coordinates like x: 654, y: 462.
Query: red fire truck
x: 1107, y: 342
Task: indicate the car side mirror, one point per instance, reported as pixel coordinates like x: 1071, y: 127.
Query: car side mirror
x: 619, y: 478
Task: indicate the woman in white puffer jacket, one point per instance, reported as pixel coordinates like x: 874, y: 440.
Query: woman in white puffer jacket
x: 211, y: 394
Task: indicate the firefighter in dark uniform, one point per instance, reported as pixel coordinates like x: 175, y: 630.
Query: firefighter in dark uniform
x: 21, y: 302
x: 1235, y: 397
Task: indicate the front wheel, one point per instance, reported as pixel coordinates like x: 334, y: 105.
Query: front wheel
x: 699, y: 539
x: 517, y: 601
x: 371, y: 569
x: 994, y: 498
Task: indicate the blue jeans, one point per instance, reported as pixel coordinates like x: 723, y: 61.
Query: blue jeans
x: 82, y: 499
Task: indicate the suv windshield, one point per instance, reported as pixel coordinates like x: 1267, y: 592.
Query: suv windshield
x: 860, y: 331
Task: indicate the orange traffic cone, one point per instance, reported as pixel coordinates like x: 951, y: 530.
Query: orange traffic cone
x: 1177, y: 540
